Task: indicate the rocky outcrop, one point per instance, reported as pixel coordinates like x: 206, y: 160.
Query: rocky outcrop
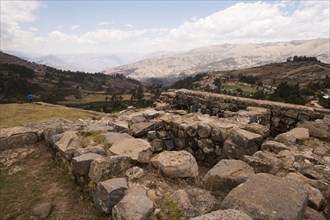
x: 81, y: 164
x: 134, y: 206
x: 227, y: 174
x: 176, y: 163
x: 253, y: 198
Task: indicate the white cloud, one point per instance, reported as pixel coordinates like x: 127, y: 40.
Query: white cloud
x: 242, y: 22
x: 104, y: 23
x: 129, y: 25
x: 74, y: 27
x: 12, y: 14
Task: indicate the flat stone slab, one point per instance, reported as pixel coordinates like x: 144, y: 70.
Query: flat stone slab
x: 114, y: 137
x: 108, y: 193
x: 228, y: 214
x: 227, y: 174
x: 264, y: 196
x: 134, y: 206
x: 176, y: 163
x: 141, y: 128
x: 136, y: 149
x: 300, y: 133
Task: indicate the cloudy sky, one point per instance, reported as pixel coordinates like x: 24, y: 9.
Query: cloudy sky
x: 59, y: 27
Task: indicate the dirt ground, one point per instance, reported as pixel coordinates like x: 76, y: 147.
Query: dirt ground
x: 29, y: 176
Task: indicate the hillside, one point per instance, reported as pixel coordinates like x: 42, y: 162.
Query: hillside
x: 19, y: 77
x: 222, y: 57
x: 294, y: 82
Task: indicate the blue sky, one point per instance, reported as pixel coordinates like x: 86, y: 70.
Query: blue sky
x: 146, y: 26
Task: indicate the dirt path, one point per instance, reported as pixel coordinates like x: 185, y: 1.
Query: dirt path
x: 29, y: 176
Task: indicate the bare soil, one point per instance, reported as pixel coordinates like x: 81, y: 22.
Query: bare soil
x: 29, y: 176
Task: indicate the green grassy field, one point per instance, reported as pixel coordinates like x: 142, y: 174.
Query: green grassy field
x: 17, y: 114
x: 244, y: 88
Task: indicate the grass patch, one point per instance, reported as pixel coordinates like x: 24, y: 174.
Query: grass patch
x: 244, y: 88
x: 301, y: 141
x: 172, y: 208
x: 326, y: 139
x: 18, y: 114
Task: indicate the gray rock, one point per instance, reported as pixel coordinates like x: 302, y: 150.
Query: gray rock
x: 134, y: 206
x: 264, y: 196
x: 18, y: 140
x: 203, y: 130
x: 114, y: 137
x: 157, y: 145
x: 151, y: 135
x: 300, y: 133
x: 176, y: 163
x: 141, y: 128
x: 68, y: 143
x: 114, y: 165
x: 80, y: 164
x: 108, y: 193
x: 315, y: 130
x: 94, y: 149
x: 242, y: 143
x: 315, y: 197
x: 274, y: 146
x: 138, y: 119
x: 136, y: 149
x: 228, y: 214
x: 286, y: 138
x: 264, y: 162
x: 52, y: 130
x: 312, y: 214
x: 227, y: 174
x: 258, y: 129
x: 94, y: 127
x: 134, y: 173
x: 194, y: 201
x: 120, y: 126
x: 42, y: 210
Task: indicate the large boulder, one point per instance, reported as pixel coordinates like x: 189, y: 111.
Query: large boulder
x: 264, y: 162
x: 300, y: 133
x: 134, y: 206
x: 108, y: 193
x: 18, y: 140
x: 227, y: 174
x: 136, y: 149
x: 286, y: 138
x: 193, y: 201
x: 316, y: 130
x: 67, y: 144
x: 228, y: 214
x: 81, y: 163
x: 176, y: 163
x: 241, y: 142
x: 264, y: 196
x: 274, y: 146
x: 101, y: 167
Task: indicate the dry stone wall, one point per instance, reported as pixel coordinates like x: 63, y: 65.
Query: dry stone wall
x: 282, y: 117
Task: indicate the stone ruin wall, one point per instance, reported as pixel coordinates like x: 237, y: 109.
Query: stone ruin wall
x: 228, y: 127
x: 283, y: 117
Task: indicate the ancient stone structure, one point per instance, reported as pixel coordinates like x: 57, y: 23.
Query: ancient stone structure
x: 281, y: 117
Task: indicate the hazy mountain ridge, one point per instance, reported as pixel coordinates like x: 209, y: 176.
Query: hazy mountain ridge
x: 222, y: 57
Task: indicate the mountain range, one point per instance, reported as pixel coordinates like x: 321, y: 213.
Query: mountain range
x: 222, y: 57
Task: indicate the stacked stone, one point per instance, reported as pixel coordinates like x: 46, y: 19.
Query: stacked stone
x: 282, y: 117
